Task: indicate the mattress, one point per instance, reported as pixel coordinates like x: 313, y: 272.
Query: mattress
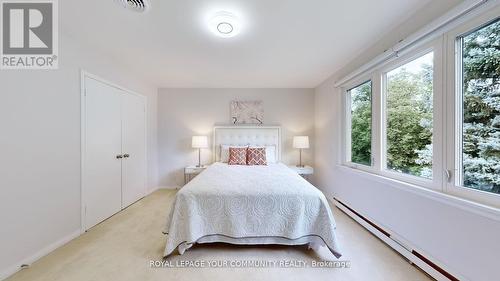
x: 250, y: 205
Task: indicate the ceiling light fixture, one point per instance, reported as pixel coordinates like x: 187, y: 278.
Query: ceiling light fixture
x: 225, y: 28
x: 224, y: 24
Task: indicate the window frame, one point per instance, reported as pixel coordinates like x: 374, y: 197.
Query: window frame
x: 446, y: 130
x: 346, y: 124
x: 454, y: 102
x: 377, y: 76
x: 436, y: 47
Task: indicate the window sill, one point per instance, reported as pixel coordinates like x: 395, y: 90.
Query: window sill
x: 449, y: 199
x: 399, y: 177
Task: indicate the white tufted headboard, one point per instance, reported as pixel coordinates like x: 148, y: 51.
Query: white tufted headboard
x: 245, y: 135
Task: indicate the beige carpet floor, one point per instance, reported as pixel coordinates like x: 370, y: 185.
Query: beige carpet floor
x: 122, y: 247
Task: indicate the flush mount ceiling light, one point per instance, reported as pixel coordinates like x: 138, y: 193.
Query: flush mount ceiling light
x: 225, y: 28
x: 224, y: 24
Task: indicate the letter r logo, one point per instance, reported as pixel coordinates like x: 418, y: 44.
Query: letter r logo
x: 27, y: 28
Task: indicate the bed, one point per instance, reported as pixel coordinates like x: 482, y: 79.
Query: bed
x: 249, y: 205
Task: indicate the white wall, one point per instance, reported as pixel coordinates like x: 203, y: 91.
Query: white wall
x: 40, y: 150
x: 462, y: 240
x: 183, y: 113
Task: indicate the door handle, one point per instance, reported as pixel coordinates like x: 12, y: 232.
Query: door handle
x: 126, y: 155
x: 119, y: 156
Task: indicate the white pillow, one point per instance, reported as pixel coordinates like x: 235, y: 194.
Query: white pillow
x: 270, y: 152
x: 224, y: 151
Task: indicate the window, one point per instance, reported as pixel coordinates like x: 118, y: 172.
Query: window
x: 360, y: 98
x: 429, y: 114
x: 409, y: 117
x: 479, y: 92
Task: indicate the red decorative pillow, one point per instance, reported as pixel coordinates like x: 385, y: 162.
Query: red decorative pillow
x: 256, y: 156
x: 237, y: 156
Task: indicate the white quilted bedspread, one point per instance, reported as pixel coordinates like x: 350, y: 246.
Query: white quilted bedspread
x: 249, y: 202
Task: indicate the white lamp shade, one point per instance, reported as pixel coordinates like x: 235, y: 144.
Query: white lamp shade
x: 301, y: 142
x: 199, y: 142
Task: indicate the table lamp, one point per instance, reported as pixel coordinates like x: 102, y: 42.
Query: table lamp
x: 199, y: 142
x: 301, y: 142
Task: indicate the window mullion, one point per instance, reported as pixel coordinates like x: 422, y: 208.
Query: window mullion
x: 377, y: 121
x: 439, y: 115
x: 347, y: 125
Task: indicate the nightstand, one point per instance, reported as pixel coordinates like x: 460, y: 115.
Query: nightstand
x: 305, y: 171
x: 192, y: 171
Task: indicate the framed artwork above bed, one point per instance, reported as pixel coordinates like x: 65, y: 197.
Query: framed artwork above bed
x: 247, y: 112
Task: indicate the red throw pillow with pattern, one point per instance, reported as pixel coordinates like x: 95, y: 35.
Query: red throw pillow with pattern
x: 256, y: 156
x: 237, y: 156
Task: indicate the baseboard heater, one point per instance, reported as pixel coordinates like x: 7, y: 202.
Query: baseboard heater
x: 413, y: 256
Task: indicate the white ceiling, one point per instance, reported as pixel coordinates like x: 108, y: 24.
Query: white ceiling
x: 287, y: 43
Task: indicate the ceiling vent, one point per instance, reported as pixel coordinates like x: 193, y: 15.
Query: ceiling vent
x: 140, y: 6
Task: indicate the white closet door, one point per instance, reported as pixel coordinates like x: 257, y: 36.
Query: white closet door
x: 133, y: 148
x: 102, y: 174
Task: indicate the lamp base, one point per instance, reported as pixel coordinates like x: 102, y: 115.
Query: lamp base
x: 300, y: 160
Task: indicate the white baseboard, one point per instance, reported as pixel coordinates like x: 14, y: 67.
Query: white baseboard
x: 41, y: 253
x: 149, y: 192
x: 404, y: 248
x: 153, y: 189
x: 169, y: 187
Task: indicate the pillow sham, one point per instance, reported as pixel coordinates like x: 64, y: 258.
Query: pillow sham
x: 237, y: 156
x: 270, y: 152
x: 256, y: 156
x: 224, y: 151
